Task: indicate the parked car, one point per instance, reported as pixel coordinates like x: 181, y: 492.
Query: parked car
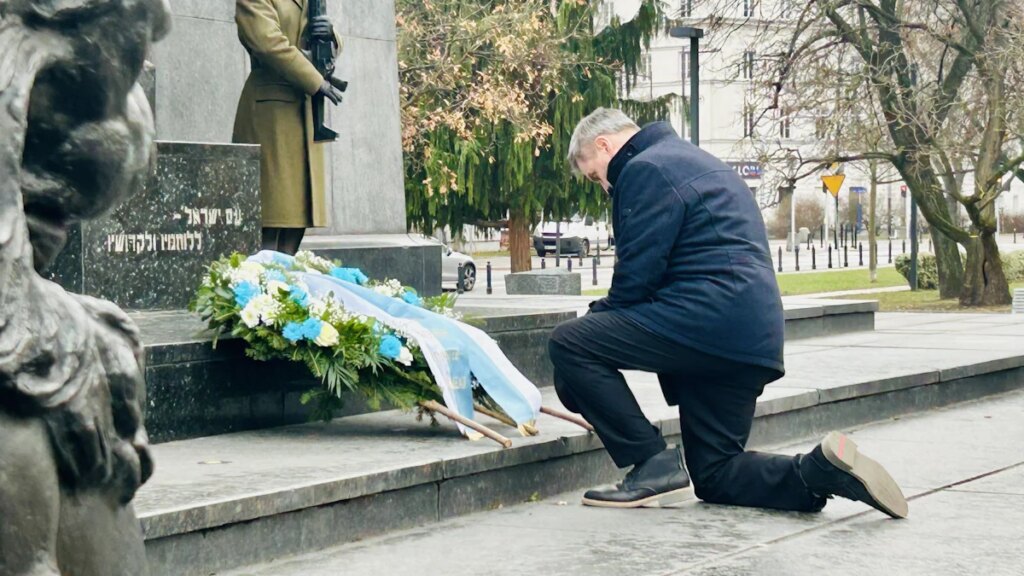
x: 578, y: 236
x: 450, y: 261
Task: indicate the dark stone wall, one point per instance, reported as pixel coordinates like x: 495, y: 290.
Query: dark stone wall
x: 150, y: 253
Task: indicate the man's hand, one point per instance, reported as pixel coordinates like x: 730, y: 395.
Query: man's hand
x: 321, y: 28
x: 330, y: 92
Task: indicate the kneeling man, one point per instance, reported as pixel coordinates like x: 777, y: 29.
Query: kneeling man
x: 693, y: 299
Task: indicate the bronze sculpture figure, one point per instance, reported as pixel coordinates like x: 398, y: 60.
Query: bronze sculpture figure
x: 76, y: 135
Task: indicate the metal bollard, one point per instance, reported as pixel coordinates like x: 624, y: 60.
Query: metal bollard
x: 581, y: 258
x: 598, y: 252
x: 490, y: 288
x: 780, y: 258
x: 543, y: 262
x: 595, y: 271
x: 890, y: 251
x: 796, y: 252
x: 904, y: 246
x: 568, y: 262
x: 846, y: 256
x: 814, y: 259
x: 460, y: 284
x: 830, y: 256
x: 860, y: 250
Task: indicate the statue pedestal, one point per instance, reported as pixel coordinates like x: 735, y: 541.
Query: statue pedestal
x: 152, y: 251
x: 409, y: 258
x: 544, y: 282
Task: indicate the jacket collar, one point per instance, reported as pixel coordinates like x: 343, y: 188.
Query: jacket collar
x: 648, y: 136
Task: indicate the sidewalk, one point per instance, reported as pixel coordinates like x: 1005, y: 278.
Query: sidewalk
x: 962, y: 468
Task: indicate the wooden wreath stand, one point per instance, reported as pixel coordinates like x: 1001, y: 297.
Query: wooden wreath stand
x: 525, y: 429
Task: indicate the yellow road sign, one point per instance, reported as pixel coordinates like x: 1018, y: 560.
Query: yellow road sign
x: 833, y: 182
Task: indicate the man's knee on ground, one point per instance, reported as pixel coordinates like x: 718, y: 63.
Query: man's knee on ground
x: 707, y: 484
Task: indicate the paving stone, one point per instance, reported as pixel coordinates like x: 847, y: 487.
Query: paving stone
x: 974, y: 528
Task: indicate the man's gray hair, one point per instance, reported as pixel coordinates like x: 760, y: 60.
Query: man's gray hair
x: 600, y: 122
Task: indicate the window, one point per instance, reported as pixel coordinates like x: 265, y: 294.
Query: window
x: 686, y: 8
x: 748, y: 65
x: 820, y: 127
x: 784, y: 125
x: 748, y: 123
x: 748, y: 8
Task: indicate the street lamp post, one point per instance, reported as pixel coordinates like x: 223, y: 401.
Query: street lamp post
x: 694, y: 34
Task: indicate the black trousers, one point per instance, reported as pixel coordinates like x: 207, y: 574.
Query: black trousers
x: 716, y: 400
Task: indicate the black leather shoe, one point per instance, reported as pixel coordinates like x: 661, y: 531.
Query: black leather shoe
x: 660, y: 481
x: 836, y: 468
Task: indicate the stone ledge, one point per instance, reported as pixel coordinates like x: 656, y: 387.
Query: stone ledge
x: 291, y: 469
x: 195, y: 390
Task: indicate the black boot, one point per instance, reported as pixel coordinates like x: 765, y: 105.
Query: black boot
x: 659, y: 481
x: 836, y: 468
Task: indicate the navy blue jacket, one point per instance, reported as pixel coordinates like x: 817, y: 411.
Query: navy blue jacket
x: 694, y: 265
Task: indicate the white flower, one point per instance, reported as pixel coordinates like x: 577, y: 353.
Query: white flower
x: 266, y: 307
x: 276, y: 285
x: 404, y: 357
x: 312, y: 262
x: 239, y: 275
x: 328, y: 336
x: 251, y: 267
x: 250, y: 317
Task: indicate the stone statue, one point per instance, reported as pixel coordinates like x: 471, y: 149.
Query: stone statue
x: 76, y: 135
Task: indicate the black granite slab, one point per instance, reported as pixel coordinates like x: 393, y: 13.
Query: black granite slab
x: 151, y: 252
x: 418, y: 266
x: 196, y: 390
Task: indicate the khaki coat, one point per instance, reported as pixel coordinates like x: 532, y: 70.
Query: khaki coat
x: 275, y: 111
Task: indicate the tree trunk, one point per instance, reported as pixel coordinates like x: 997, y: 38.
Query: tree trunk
x: 984, y: 282
x: 872, y: 224
x: 949, y: 265
x: 926, y: 187
x: 519, y: 242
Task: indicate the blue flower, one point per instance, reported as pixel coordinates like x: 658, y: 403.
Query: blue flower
x: 300, y: 296
x: 311, y: 328
x: 353, y: 275
x: 272, y: 275
x: 244, y: 292
x: 390, y: 347
x: 293, y: 332
x: 410, y: 297
x: 282, y: 259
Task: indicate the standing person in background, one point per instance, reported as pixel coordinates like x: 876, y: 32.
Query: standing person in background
x: 275, y: 112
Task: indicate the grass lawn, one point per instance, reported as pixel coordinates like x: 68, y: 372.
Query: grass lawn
x: 814, y: 282
x: 926, y: 301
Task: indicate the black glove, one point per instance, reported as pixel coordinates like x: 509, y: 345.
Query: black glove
x: 330, y: 92
x: 321, y: 28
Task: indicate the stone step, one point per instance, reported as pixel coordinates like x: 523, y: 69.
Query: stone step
x: 195, y: 390
x: 238, y: 499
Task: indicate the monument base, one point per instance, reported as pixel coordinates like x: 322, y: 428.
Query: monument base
x: 413, y: 260
x: 544, y: 282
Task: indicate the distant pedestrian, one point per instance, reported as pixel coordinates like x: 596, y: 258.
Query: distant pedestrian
x: 693, y: 299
